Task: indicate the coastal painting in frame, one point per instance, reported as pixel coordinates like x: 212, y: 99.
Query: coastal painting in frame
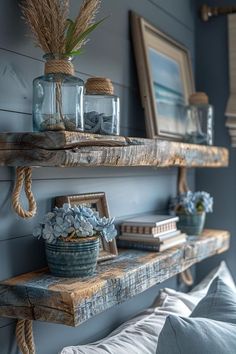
x: 165, y: 80
x: 98, y: 202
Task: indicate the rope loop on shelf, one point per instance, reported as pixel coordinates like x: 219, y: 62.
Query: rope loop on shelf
x: 186, y: 277
x: 24, y: 177
x: 182, y: 180
x: 25, y: 337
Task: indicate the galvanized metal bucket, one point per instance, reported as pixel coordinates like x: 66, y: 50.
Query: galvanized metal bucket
x: 191, y: 224
x: 73, y: 259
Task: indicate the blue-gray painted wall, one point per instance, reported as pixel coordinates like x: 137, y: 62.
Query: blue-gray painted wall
x: 129, y: 191
x: 212, y: 76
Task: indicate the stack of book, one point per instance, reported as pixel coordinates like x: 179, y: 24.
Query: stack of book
x: 151, y: 232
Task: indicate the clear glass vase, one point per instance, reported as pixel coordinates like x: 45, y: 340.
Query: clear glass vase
x: 102, y: 114
x: 58, y: 97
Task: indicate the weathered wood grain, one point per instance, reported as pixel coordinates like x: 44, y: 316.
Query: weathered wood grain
x: 69, y: 149
x: 40, y: 296
x: 60, y: 140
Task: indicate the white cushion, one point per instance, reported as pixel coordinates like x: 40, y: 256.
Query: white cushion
x: 194, y: 296
x: 140, y: 334
x: 137, y: 336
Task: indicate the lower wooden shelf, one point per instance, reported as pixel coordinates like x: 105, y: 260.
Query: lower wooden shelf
x: 40, y: 296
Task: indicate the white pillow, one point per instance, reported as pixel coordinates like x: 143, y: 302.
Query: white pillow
x: 137, y: 336
x: 140, y: 334
x: 198, y: 292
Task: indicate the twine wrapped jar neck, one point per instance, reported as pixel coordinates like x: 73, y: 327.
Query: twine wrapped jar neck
x: 55, y: 64
x: 199, y: 98
x: 99, y: 86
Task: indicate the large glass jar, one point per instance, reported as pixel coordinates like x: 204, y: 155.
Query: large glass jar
x: 58, y: 97
x: 200, y: 120
x: 101, y: 108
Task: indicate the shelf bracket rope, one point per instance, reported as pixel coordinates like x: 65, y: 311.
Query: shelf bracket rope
x: 24, y: 177
x: 186, y: 276
x: 25, y: 337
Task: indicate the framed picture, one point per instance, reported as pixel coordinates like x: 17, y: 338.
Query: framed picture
x: 97, y: 201
x: 165, y: 80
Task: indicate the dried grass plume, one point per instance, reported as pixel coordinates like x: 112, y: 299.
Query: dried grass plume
x: 53, y: 32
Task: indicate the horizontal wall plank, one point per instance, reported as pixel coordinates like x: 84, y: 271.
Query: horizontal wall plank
x: 11, y: 121
x: 6, y: 322
x: 21, y: 254
x: 126, y: 196
x: 48, y: 173
x: 114, y: 61
x: 181, y: 10
x: 16, y: 95
x: 7, y: 340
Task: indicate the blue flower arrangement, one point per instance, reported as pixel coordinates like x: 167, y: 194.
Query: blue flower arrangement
x: 192, y: 203
x: 70, y: 223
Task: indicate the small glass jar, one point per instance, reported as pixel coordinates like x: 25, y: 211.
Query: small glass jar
x: 200, y: 120
x: 58, y: 97
x: 101, y: 108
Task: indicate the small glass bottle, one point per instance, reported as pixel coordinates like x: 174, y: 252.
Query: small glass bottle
x: 101, y: 107
x: 58, y: 97
x: 200, y: 120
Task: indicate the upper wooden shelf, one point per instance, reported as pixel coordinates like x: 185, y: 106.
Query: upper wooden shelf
x: 40, y: 296
x: 70, y: 149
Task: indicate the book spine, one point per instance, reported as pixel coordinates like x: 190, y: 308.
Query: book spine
x: 135, y: 229
x: 138, y: 245
x: 167, y: 246
x: 137, y: 238
x: 162, y: 236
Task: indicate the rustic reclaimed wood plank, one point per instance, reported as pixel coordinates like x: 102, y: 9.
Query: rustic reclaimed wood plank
x: 137, y: 152
x: 63, y: 140
x: 40, y: 296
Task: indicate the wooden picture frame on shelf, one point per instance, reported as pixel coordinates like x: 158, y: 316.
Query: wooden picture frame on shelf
x: 97, y: 201
x: 165, y: 79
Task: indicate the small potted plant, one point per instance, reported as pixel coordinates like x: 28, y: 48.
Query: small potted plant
x: 191, y: 208
x: 72, y: 236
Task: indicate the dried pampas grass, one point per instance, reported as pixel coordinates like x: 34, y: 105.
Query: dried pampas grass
x: 53, y: 32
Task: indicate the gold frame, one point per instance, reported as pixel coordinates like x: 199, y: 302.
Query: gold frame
x: 146, y: 36
x: 109, y: 249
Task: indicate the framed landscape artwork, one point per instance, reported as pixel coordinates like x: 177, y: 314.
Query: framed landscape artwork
x: 165, y: 80
x: 97, y: 201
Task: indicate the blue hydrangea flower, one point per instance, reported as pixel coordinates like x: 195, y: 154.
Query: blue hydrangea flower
x: 192, y: 203
x: 76, y: 221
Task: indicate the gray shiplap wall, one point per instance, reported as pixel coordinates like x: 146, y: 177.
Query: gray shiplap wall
x: 213, y: 77
x: 129, y: 191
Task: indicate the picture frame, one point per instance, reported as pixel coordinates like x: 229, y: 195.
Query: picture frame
x: 165, y: 79
x: 97, y: 201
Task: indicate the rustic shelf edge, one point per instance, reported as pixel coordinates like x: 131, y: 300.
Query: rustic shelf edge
x: 40, y: 296
x: 68, y: 149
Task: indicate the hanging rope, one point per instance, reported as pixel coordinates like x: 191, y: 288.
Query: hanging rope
x: 25, y: 337
x: 182, y: 180
x: 186, y: 276
x: 24, y: 176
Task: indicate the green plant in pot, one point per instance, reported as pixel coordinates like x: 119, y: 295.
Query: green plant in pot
x: 191, y: 208
x: 72, y: 236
